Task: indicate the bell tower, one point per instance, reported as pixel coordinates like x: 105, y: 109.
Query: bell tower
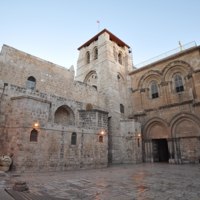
x: 104, y: 62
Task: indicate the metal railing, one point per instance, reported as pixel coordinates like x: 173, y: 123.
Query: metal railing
x: 166, y: 54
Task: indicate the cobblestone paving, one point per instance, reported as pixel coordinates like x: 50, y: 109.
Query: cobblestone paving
x: 123, y: 182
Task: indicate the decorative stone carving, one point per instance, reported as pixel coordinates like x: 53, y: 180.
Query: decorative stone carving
x: 5, y: 162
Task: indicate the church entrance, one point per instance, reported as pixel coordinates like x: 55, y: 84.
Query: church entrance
x: 160, y: 150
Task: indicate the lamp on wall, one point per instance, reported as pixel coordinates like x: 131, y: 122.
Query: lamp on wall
x: 36, y: 125
x: 139, y: 134
x: 102, y: 132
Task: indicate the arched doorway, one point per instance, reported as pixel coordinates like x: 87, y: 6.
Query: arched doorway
x: 156, y: 146
x: 186, y: 139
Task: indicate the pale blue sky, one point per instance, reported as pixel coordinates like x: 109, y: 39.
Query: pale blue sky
x: 54, y: 29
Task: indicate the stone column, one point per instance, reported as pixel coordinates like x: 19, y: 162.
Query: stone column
x: 171, y: 150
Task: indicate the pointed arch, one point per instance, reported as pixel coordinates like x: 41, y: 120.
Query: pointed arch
x: 185, y: 125
x: 156, y: 128
x: 64, y: 115
x: 91, y: 78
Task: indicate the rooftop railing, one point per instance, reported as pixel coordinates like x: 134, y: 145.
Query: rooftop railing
x: 166, y: 54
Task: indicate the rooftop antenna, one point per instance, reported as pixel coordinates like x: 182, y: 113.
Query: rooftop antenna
x: 98, y: 23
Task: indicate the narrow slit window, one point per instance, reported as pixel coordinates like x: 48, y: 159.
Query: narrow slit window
x: 121, y: 108
x: 73, y: 138
x: 100, y: 138
x: 88, y: 57
x: 120, y: 58
x: 95, y: 53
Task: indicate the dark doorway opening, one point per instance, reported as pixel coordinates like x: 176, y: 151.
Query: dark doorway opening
x: 160, y: 150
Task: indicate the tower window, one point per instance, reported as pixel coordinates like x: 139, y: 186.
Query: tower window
x: 95, y: 53
x: 73, y: 138
x: 101, y: 138
x: 178, y: 82
x: 30, y: 83
x: 120, y: 58
x: 121, y: 108
x: 34, y: 135
x: 154, y: 90
x: 88, y: 57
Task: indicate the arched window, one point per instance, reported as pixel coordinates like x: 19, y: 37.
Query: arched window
x: 120, y: 58
x: 30, y: 83
x: 178, y: 82
x: 88, y: 57
x: 154, y: 90
x: 34, y: 135
x: 73, y: 138
x: 101, y: 138
x: 95, y: 53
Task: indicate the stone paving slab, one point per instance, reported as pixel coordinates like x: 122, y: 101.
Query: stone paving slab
x: 123, y: 182
x: 29, y: 196
x: 4, y: 195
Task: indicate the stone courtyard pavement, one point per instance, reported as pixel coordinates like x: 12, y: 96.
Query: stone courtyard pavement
x: 122, y: 182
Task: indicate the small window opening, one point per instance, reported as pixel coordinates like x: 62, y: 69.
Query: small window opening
x: 88, y: 57
x: 120, y: 58
x: 101, y: 138
x: 31, y: 82
x: 73, y: 138
x: 121, y: 108
x: 34, y: 135
x: 138, y: 142
x: 95, y: 53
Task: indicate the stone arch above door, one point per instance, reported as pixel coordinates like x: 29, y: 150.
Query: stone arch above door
x: 156, y: 129
x: 185, y: 125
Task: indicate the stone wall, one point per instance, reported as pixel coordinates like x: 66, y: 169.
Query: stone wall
x: 132, y: 141
x: 55, y: 104
x: 53, y: 149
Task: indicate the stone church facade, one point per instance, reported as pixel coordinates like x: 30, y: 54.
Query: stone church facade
x: 109, y: 113
x: 166, y: 99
